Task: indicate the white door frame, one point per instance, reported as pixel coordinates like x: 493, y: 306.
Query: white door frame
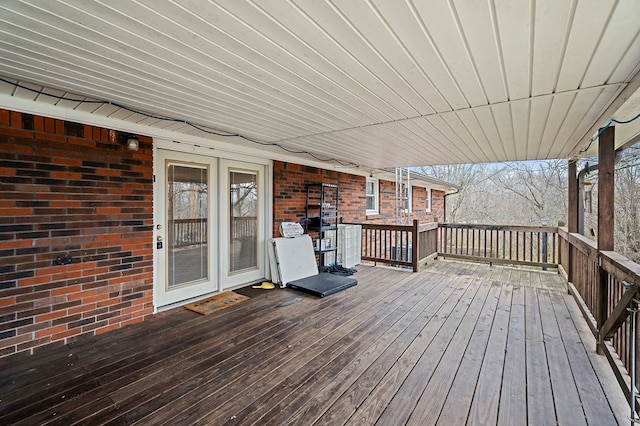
x: 164, y: 295
x: 199, y: 150
x: 227, y: 279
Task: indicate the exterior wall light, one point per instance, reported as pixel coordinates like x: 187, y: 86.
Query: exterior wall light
x: 132, y: 143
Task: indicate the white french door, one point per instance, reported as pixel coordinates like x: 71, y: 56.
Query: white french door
x: 210, y: 230
x: 242, y: 219
x: 186, y: 233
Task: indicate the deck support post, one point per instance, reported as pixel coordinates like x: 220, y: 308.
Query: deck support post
x: 572, y: 214
x: 606, y: 171
x: 416, y: 245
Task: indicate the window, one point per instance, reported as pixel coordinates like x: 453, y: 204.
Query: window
x: 408, y: 197
x: 372, y: 196
x: 427, y: 204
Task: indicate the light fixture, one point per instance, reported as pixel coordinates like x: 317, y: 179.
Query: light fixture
x: 587, y: 187
x: 132, y: 143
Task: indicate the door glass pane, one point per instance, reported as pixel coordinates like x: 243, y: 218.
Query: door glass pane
x: 243, y: 190
x: 187, y: 216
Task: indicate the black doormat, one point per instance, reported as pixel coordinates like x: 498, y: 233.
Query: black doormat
x: 322, y: 285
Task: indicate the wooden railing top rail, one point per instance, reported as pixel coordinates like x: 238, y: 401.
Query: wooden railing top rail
x: 192, y: 220
x: 499, y: 227
x: 388, y: 227
x: 427, y: 226
x: 620, y: 267
x: 394, y: 227
x: 584, y: 244
x: 563, y: 231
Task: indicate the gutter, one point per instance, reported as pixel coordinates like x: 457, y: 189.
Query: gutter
x: 452, y: 191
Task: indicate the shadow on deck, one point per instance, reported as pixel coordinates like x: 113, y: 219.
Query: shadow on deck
x: 458, y: 343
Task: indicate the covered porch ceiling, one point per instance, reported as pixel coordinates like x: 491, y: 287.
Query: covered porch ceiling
x: 373, y: 83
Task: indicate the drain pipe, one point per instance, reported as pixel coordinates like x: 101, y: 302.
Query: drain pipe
x: 581, y: 178
x: 444, y: 203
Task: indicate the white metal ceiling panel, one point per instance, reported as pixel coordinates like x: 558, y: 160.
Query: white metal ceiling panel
x: 514, y: 29
x: 443, y: 29
x: 476, y: 20
x: 487, y: 120
x: 470, y: 120
x: 376, y: 83
x: 620, y: 33
x: 539, y: 118
x: 414, y: 36
x: 552, y: 25
x: 521, y: 119
x: 589, y: 21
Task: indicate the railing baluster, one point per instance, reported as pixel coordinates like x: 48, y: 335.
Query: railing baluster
x: 501, y: 244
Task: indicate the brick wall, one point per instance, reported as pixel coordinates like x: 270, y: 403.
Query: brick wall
x: 418, y: 205
x: 290, y: 192
x: 75, y: 231
x: 289, y: 196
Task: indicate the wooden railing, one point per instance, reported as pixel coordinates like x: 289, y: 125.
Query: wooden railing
x: 244, y: 227
x: 190, y: 232
x: 516, y: 245
x: 401, y: 245
x: 604, y: 285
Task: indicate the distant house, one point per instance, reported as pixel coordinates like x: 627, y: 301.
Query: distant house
x: 365, y: 198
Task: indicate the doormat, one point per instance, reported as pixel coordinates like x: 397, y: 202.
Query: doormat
x: 216, y: 303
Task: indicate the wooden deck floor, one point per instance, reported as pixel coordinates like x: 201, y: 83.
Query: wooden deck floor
x: 456, y: 344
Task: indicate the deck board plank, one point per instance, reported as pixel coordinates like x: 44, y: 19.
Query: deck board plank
x: 235, y: 359
x: 460, y: 396
x: 434, y: 316
x: 458, y: 343
x: 323, y: 398
x: 396, y: 337
x: 484, y: 408
x: 402, y: 404
x: 539, y: 394
x: 343, y: 366
x: 401, y: 323
x: 513, y: 397
x: 594, y: 401
x: 295, y: 343
x: 430, y: 404
x: 565, y: 394
x: 619, y: 405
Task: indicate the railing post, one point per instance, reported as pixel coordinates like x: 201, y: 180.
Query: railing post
x: 572, y: 219
x: 415, y: 245
x: 606, y: 170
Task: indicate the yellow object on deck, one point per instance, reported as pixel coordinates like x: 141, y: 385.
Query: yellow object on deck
x: 266, y: 285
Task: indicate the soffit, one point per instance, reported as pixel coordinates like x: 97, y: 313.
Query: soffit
x: 378, y: 83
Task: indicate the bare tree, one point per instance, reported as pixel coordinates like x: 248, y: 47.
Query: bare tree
x: 472, y: 178
x: 538, y: 190
x: 530, y: 193
x: 507, y: 193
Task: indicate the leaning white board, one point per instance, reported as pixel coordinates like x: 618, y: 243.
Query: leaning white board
x: 296, y: 258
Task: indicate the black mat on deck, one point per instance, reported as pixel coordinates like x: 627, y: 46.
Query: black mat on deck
x: 322, y: 285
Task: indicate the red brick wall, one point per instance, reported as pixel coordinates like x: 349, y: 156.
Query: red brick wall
x: 290, y: 192
x: 71, y: 189
x: 289, y: 196
x: 418, y: 205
